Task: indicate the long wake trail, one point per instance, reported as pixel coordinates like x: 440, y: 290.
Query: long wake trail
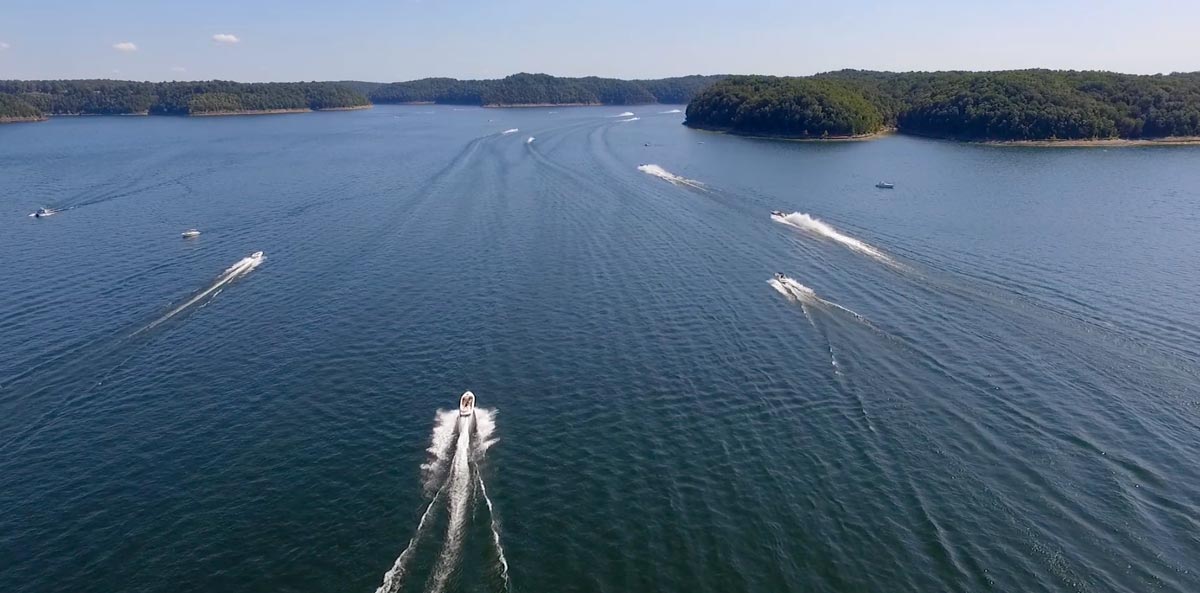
x: 439, y: 448
x: 805, y: 296
x: 798, y: 292
x: 459, y: 488
x: 237, y: 270
x: 495, y: 535
x: 457, y: 443
x: 485, y: 425
x: 816, y: 226
x: 394, y: 577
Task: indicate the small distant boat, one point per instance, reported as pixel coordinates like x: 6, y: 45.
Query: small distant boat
x: 778, y: 214
x: 781, y: 277
x: 42, y: 213
x: 466, y: 404
x: 259, y: 255
x: 885, y: 185
x: 190, y: 233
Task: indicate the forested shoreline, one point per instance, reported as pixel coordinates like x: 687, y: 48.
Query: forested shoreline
x: 1019, y: 105
x: 39, y: 98
x: 541, y: 89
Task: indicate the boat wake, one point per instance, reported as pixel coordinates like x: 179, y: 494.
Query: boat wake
x: 621, y: 121
x: 670, y: 111
x: 661, y: 173
x: 457, y: 445
x: 626, y: 114
x: 816, y: 226
x: 458, y: 486
x: 509, y: 131
x: 797, y: 292
x: 241, y: 268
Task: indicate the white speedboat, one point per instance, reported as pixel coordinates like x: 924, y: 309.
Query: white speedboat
x: 190, y: 233
x: 256, y: 255
x: 885, y: 185
x: 42, y: 213
x: 778, y: 214
x: 466, y: 404
x: 780, y: 277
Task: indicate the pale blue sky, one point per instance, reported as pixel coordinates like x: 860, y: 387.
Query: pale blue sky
x: 387, y: 40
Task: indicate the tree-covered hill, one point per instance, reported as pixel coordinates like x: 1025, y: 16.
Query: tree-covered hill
x: 113, y: 97
x: 14, y: 109
x: 542, y: 89
x: 1010, y: 105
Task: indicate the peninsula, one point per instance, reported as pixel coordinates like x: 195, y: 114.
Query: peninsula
x: 1044, y: 107
x: 35, y: 99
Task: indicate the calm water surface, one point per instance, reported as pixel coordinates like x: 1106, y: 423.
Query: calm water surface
x: 992, y: 388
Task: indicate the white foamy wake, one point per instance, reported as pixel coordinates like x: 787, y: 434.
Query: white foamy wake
x: 626, y: 114
x: 661, y: 173
x: 621, y: 121
x: 394, y: 577
x: 819, y: 227
x: 671, y: 111
x: 529, y: 141
x: 509, y: 131
x: 495, y: 535
x: 441, y: 440
x: 797, y: 292
x: 455, y: 443
x: 237, y: 270
x: 485, y: 425
x: 458, y: 487
x: 439, y: 449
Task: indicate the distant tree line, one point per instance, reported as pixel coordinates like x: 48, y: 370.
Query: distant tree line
x: 113, y: 97
x: 536, y: 89
x: 1010, y: 105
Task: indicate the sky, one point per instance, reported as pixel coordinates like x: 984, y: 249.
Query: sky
x: 392, y: 40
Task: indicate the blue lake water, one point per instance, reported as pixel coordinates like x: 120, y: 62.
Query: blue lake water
x: 992, y: 385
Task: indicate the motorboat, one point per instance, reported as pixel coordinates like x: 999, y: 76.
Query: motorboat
x: 885, y: 185
x: 778, y: 213
x: 780, y: 277
x: 190, y: 233
x: 466, y: 404
x: 42, y: 213
x: 256, y: 255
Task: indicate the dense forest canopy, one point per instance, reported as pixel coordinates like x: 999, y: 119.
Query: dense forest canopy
x: 1010, y: 105
x: 12, y: 107
x: 113, y: 97
x: 538, y: 89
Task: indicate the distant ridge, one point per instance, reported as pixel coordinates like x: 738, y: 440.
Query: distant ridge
x: 540, y: 89
x: 38, y: 98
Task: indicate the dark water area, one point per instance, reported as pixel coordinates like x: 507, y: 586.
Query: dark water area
x: 992, y: 385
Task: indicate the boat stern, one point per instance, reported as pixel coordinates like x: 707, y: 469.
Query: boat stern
x: 466, y: 404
